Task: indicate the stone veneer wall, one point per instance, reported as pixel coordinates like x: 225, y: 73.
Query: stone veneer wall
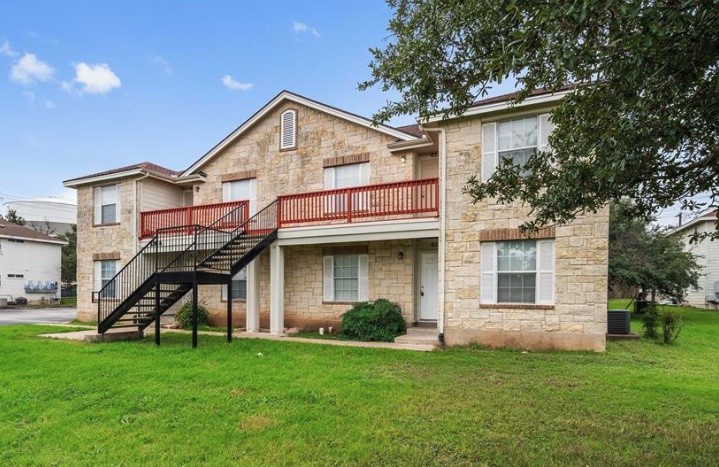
x: 388, y: 277
x: 578, y: 318
x: 101, y: 240
x: 320, y: 136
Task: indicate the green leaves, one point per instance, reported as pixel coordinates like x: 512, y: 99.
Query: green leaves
x: 646, y: 126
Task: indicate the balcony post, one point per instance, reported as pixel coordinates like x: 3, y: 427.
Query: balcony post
x: 277, y: 290
x: 349, y: 206
x: 253, y: 298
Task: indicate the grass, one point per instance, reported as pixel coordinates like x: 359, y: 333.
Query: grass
x: 68, y: 301
x: 268, y: 402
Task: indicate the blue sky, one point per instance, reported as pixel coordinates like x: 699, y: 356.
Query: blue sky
x: 88, y: 85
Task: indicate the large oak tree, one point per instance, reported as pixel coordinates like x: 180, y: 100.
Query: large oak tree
x: 643, y: 124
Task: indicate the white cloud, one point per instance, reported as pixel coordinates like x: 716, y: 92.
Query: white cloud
x: 233, y: 84
x: 29, y: 69
x: 299, y: 27
x: 162, y: 64
x: 6, y: 49
x: 50, y: 104
x: 95, y: 79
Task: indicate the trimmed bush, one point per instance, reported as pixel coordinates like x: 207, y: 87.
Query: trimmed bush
x: 184, y: 316
x: 380, y: 320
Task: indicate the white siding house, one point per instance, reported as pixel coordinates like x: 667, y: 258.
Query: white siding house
x: 29, y: 264
x: 707, y: 252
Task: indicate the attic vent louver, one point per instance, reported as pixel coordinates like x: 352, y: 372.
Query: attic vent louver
x: 288, y: 129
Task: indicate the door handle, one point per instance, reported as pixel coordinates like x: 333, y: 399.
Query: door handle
x: 421, y: 291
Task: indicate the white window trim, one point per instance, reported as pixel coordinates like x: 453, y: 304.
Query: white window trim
x: 489, y: 274
x: 337, y: 204
x: 237, y: 277
x: 97, y: 203
x: 97, y: 275
x: 227, y: 193
x: 329, y: 279
x: 293, y: 140
x: 490, y: 141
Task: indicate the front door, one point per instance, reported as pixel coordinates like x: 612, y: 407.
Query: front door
x: 429, y: 279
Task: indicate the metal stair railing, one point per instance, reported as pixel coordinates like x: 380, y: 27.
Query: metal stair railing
x: 241, y: 241
x: 169, y: 246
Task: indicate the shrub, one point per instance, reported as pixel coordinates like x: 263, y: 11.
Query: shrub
x: 671, y: 322
x: 651, y: 321
x: 184, y: 316
x: 380, y: 320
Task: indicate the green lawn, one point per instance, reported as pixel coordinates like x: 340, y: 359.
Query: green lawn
x: 267, y: 402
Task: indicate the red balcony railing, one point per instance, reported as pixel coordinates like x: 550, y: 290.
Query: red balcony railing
x: 202, y: 215
x: 415, y: 198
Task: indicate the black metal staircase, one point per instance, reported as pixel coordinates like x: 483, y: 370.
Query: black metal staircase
x: 176, y: 260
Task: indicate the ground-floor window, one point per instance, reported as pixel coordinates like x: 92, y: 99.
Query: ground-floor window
x: 520, y: 271
x: 239, y: 287
x: 105, y: 270
x: 345, y: 278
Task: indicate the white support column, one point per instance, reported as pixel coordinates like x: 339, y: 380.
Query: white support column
x: 253, y: 296
x: 277, y: 290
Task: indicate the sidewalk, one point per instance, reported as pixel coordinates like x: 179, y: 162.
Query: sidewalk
x: 92, y: 333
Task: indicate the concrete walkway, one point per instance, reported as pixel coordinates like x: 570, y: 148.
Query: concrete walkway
x: 90, y: 334
x: 10, y: 316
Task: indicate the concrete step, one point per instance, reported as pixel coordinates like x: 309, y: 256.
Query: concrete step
x: 112, y: 335
x: 419, y: 336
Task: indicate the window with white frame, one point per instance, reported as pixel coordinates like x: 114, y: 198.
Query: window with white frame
x: 346, y: 176
x: 513, y: 141
x: 239, y: 287
x: 520, y: 271
x: 288, y: 129
x: 107, y: 205
x: 241, y: 190
x: 345, y: 278
x: 105, y: 270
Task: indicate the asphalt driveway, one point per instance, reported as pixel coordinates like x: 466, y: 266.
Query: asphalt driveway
x: 36, y: 315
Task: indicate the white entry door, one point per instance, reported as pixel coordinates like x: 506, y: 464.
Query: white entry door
x: 428, y: 282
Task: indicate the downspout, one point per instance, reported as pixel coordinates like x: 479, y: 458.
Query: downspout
x: 441, y: 248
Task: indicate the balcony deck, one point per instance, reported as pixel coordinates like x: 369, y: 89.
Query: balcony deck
x: 202, y: 215
x: 385, y: 202
x: 381, y: 202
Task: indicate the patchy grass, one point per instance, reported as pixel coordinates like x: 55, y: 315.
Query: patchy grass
x: 84, y: 323
x: 268, y: 402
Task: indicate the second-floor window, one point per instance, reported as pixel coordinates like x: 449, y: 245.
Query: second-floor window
x: 107, y: 205
x: 240, y: 190
x: 346, y: 176
x: 513, y: 141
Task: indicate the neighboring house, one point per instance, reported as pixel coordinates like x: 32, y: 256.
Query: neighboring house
x: 29, y: 263
x: 706, y: 294
x: 345, y: 211
x: 46, y: 215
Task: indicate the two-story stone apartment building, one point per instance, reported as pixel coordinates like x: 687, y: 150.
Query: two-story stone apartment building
x: 345, y: 211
